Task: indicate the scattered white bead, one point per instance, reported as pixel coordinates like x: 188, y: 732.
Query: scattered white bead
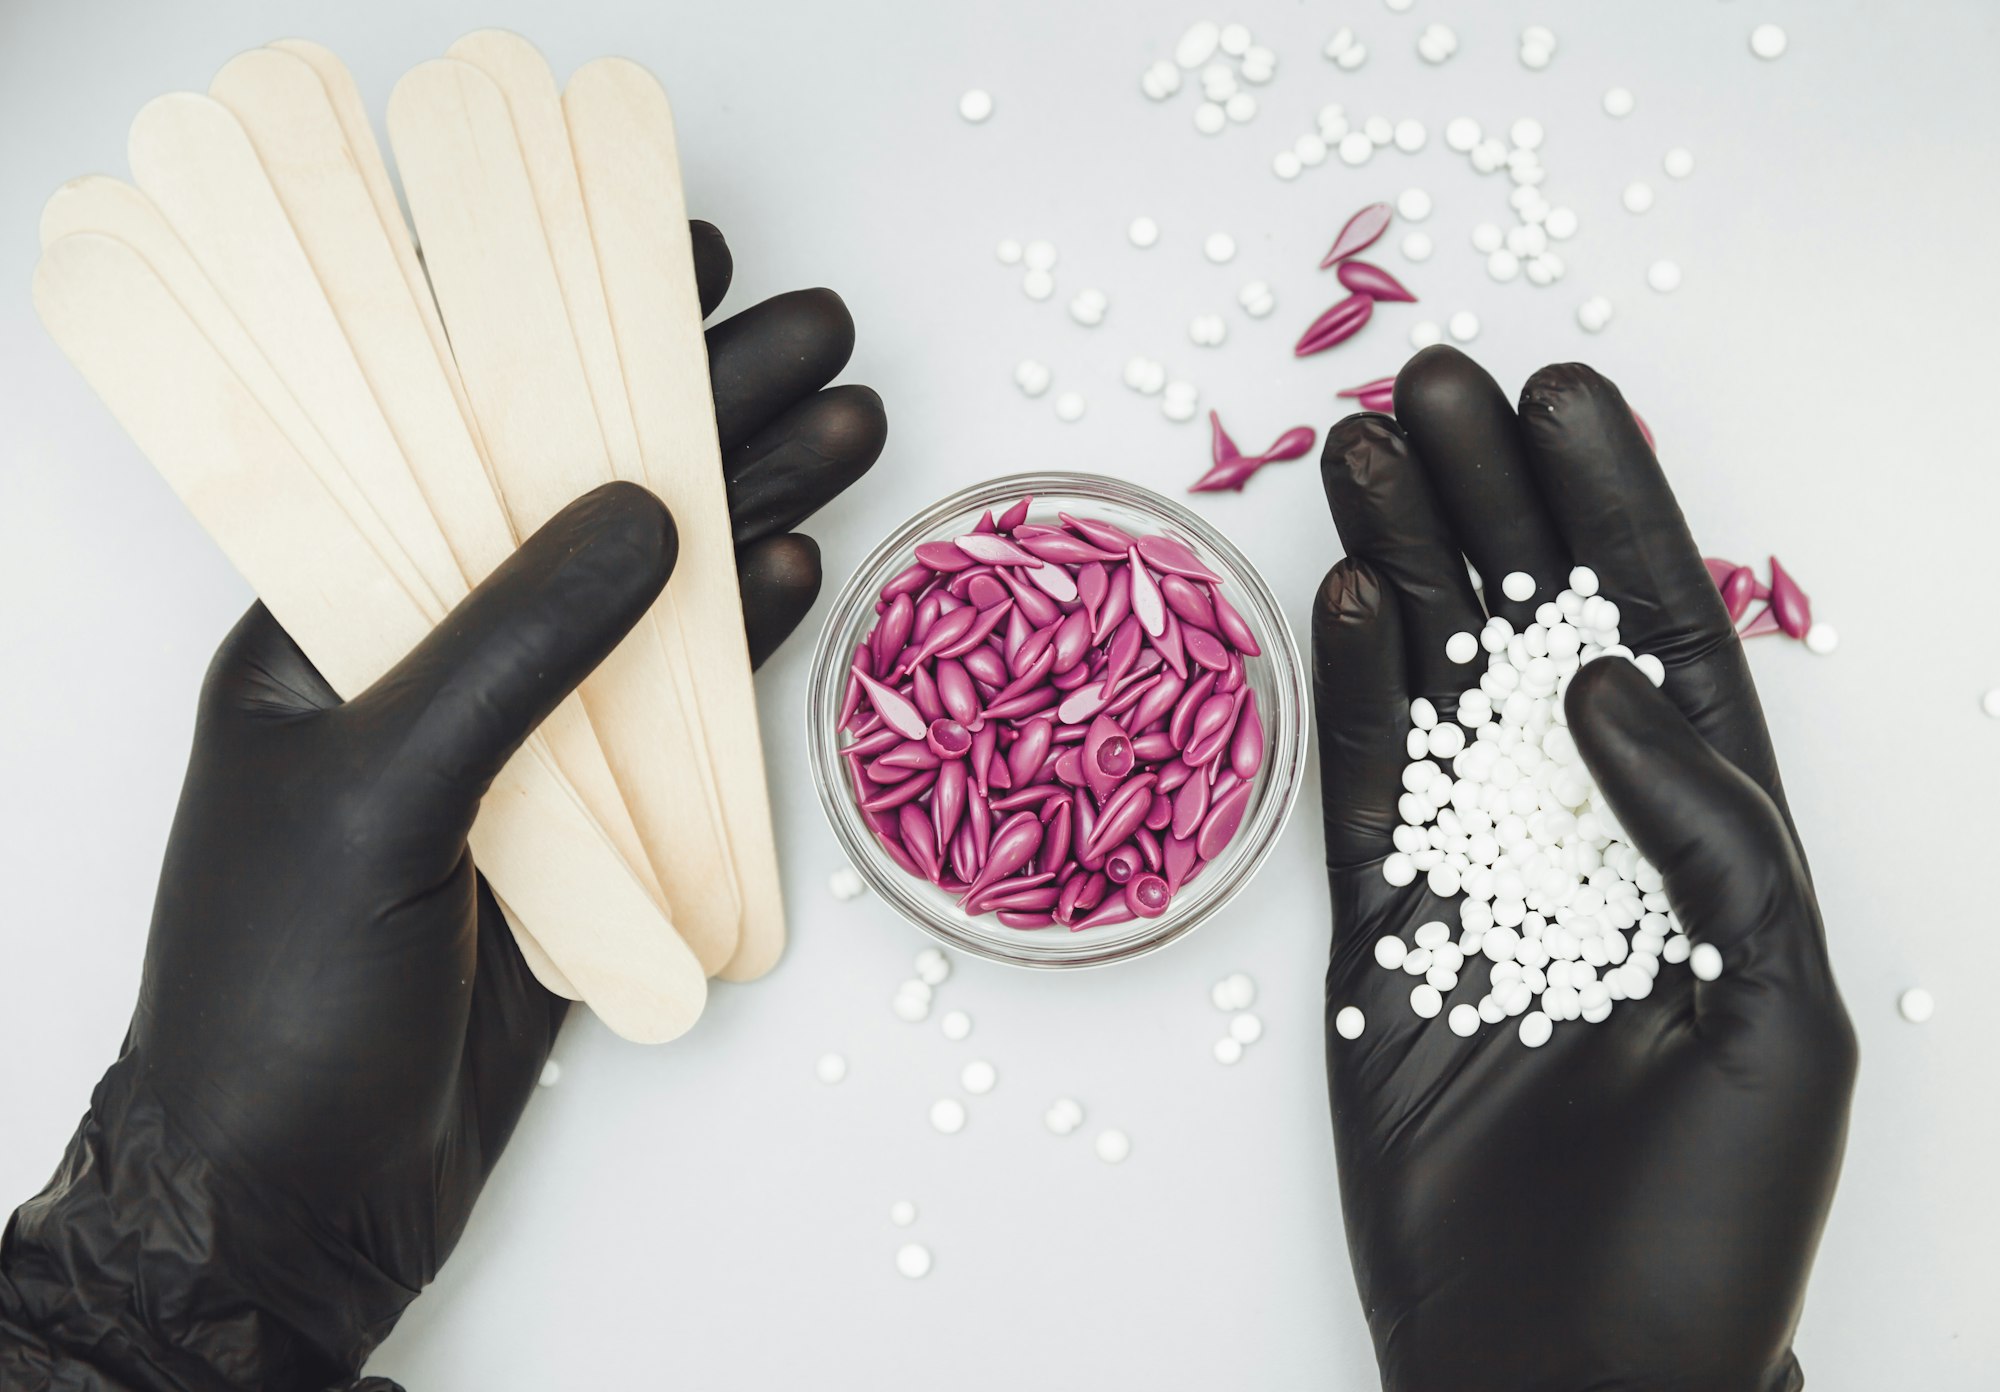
x: 1768, y: 41
x: 1464, y: 326
x: 1379, y: 130
x: 1538, y: 36
x: 1655, y: 670
x: 1356, y: 148
x: 1399, y: 870
x: 1664, y: 276
x: 1210, y: 118
x: 1489, y: 156
x: 1310, y: 149
x: 1593, y: 314
x: 1113, y: 1147
x: 1411, y: 135
x: 1286, y: 165
x: 1560, y: 224
x: 1234, y: 40
x: 1437, y: 43
x: 913, y: 1259
x: 1463, y: 133
x: 1349, y: 1022
x: 1178, y: 401
x: 1464, y: 1020
x: 1070, y: 407
x: 978, y: 1077
x: 1526, y: 134
x: 1143, y: 232
x: 902, y: 1213
x: 1228, y: 1050
x: 1518, y: 586
x: 1417, y: 246
x: 1534, y: 57
x: 1619, y: 102
x: 911, y: 1009
x: 1503, y: 265
x: 1424, y: 333
x: 1038, y: 285
x: 1063, y: 1116
x: 1160, y: 80
x: 1822, y: 638
x: 1033, y: 379
x: 1242, y: 991
x: 1145, y: 376
x: 1332, y: 122
x: 1638, y: 196
x: 1246, y: 1028
x: 1488, y: 238
x: 1207, y: 330
x: 1426, y: 1001
x: 1240, y: 107
x: 1352, y: 57
x: 1678, y: 162
x: 976, y: 105
x: 1583, y: 580
x: 550, y: 1075
x: 831, y: 1068
x: 1040, y: 255
x: 1198, y: 44
x: 1390, y: 952
x: 933, y: 967
x: 1087, y: 307
x: 1462, y: 647
x: 1219, y: 247
x: 1536, y: 1029
x: 1256, y: 299
x: 1705, y: 961
x: 1413, y: 205
x: 1990, y: 702
x: 1916, y: 1005
x: 956, y: 1024
x: 1260, y: 64
x: 846, y: 883
x: 948, y: 1116
x: 1008, y: 252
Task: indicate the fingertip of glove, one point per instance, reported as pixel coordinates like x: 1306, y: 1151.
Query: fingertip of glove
x: 1436, y: 379
x: 1564, y: 395
x: 627, y: 521
x: 1351, y: 593
x: 849, y: 425
x: 1356, y: 449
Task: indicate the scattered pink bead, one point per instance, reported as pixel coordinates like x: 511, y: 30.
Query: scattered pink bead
x: 1362, y: 231
x: 1232, y: 472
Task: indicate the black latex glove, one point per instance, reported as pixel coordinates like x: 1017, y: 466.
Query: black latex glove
x: 1635, y: 1204
x: 335, y: 1032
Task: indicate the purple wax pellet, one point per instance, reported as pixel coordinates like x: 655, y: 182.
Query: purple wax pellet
x: 984, y: 741
x: 964, y: 859
x: 896, y: 712
x: 1161, y: 814
x: 1036, y: 604
x: 1031, y: 702
x: 1072, y: 640
x: 1038, y: 642
x: 1092, y: 583
x: 1032, y: 746
x: 918, y: 841
x: 942, y: 555
x: 954, y: 688
x: 1366, y: 278
x: 949, y: 628
x: 1135, y: 691
x: 924, y: 696
x: 1072, y: 679
x: 1380, y: 384
x: 1146, y: 601
x: 1190, y: 806
x: 948, y: 739
x: 1033, y: 674
x: 1361, y: 231
x: 913, y: 578
x: 983, y: 592
x: 1207, y: 649
x: 850, y: 699
x: 1158, y: 701
x: 1082, y: 703
x: 1024, y: 921
x: 879, y: 741
x: 987, y: 666
x: 1122, y: 651
x: 1019, y: 630
x: 1147, y: 895
x: 1066, y: 902
x: 893, y: 848
x: 994, y: 550
x: 1053, y: 581
x: 1233, y: 677
x: 907, y: 756
x: 1015, y: 515
x: 1117, y: 604
x: 1177, y: 858
x: 924, y: 617
x: 1164, y: 553
x: 1737, y: 592
x: 1149, y: 846
x: 1107, y: 757
x: 1335, y: 326
x: 986, y: 523
x: 1000, y: 892
x: 1069, y: 766
x: 1121, y: 815
x: 1037, y: 899
x: 948, y: 801
x: 1027, y: 795
x: 1011, y: 847
x: 1789, y: 604
x: 1056, y: 838
x: 1065, y: 549
x: 1173, y: 774
x: 1213, y: 717
x: 1188, y: 600
x: 1123, y: 863
x: 1184, y: 713
x: 1246, y: 746
x: 1233, y: 628
x: 980, y: 630
x: 1109, y: 912
x: 1170, y: 646
x: 895, y: 795
x: 979, y: 818
x: 1225, y: 814
x: 891, y: 633
x: 1097, y: 532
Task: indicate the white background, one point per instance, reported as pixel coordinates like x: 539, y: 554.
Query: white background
x: 707, y: 1215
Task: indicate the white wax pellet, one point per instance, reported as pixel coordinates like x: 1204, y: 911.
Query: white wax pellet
x: 1349, y: 1022
x: 1008, y: 252
x: 1464, y: 326
x: 1538, y: 36
x: 1705, y: 961
x: 1242, y: 991
x: 1425, y: 332
x: 831, y: 1068
x: 1341, y: 41
x: 1655, y: 670
x: 1437, y: 43
x: 1503, y: 265
x: 1423, y: 714
x: 1240, y: 107
x: 1638, y: 196
x: 1032, y: 377
x: 1351, y: 57
x: 1198, y: 43
x: 1178, y: 401
x: 1560, y: 224
x: 1678, y: 162
x: 1087, y: 307
x: 1535, y: 57
x: 1822, y: 638
x: 978, y: 1077
x: 1462, y: 133
x: 1040, y: 255
x: 1070, y: 406
x: 1332, y: 122
x: 1234, y: 39
x: 1064, y: 1115
x: 1038, y: 285
x: 1664, y: 276
x: 1228, y: 1050
x: 1594, y: 313
x: 976, y: 105
x: 1218, y: 82
x: 956, y: 1024
x: 1207, y: 330
x: 1219, y: 247
x: 1399, y: 6
x: 1916, y: 1005
x: 1464, y: 1020
x: 902, y: 1213
x: 948, y: 1116
x: 912, y: 1009
x: 1526, y: 239
x: 1677, y: 950
x: 846, y: 883
x: 1461, y: 647
x: 1489, y: 155
x: 1398, y: 869
x: 1990, y: 702
x: 1619, y: 101
x: 1310, y: 149
x: 932, y: 966
x: 1447, y: 741
x: 1390, y: 952
x: 1768, y: 41
x: 1583, y: 580
x: 1246, y: 1028
x: 1256, y: 299
x: 1432, y: 934
x: 1143, y: 232
x: 1426, y: 1001
x: 913, y: 1259
x: 1518, y: 586
x: 1413, y: 205
x: 1535, y: 1029
x: 1526, y: 134
x: 1113, y: 1147
x: 1417, y: 246
x: 1356, y: 148
x: 550, y: 1075
x: 1411, y: 135
x: 1210, y: 118
x: 1286, y: 165
x: 1488, y: 237
x: 1260, y: 64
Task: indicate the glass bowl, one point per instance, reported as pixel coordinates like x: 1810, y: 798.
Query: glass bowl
x: 1277, y: 676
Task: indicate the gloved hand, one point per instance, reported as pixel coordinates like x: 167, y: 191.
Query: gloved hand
x: 1635, y: 1204
x: 335, y: 1033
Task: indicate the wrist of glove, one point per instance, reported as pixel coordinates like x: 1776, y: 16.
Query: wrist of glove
x: 113, y: 1281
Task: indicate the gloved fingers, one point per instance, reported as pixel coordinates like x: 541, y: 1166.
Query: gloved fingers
x: 509, y: 1033
x: 762, y: 361
x: 1387, y: 516
x: 801, y: 461
x: 780, y: 579
x: 1361, y: 702
x: 1467, y: 438
x: 461, y: 703
x: 258, y: 670
x: 1732, y: 869
x: 713, y: 265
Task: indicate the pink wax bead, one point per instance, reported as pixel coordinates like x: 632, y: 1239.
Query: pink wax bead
x: 942, y: 555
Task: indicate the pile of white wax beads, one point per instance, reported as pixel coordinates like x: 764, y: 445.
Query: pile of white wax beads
x: 1235, y: 994
x: 1519, y: 828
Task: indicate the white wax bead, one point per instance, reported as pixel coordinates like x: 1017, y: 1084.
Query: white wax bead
x: 1583, y: 581
x: 1822, y: 638
x: 1219, y: 247
x: 1332, y: 122
x: 1349, y: 1022
x: 1464, y: 1020
x: 1488, y: 237
x: 910, y: 1008
x: 1417, y: 246
x: 955, y: 1024
x: 1489, y: 156
x: 1246, y: 1028
x: 1503, y: 265
x: 1418, y: 743
x: 1535, y: 57
x: 1464, y: 326
x: 1008, y: 252
x: 1398, y: 870
x: 1491, y: 1011
x: 948, y: 1116
x: 846, y: 883
x: 1560, y: 224
x: 1234, y: 39
x: 1655, y: 670
x: 1916, y: 1005
x: 1228, y: 1050
x: 1311, y: 149
x: 1356, y: 148
x: 1426, y: 1001
x: 1678, y: 162
x: 1462, y: 133
x: 932, y: 966
x: 1210, y: 118
x: 1113, y: 1147
x: 1410, y: 135
x: 978, y: 1077
x: 1413, y: 205
x: 1240, y: 107
x: 1065, y: 1114
x: 1198, y: 43
x: 1242, y: 991
x: 551, y: 1073
x: 1070, y: 407
x: 1535, y: 1029
x: 1664, y: 276
x: 1446, y: 741
x: 976, y: 105
x: 1990, y: 702
x: 1286, y: 165
x: 831, y: 1068
x: 1207, y: 330
x: 1705, y: 961
x: 1638, y: 196
x: 1038, y: 285
x: 902, y: 1213
x: 1526, y: 134
x: 1768, y: 42
x: 1432, y: 934
x: 1423, y: 714
x: 1352, y: 57
x: 913, y: 1259
x: 1342, y: 40
x: 1618, y: 101
x: 1518, y: 586
x: 1260, y: 64
x: 1143, y: 232
x: 1417, y: 961
x: 1443, y: 881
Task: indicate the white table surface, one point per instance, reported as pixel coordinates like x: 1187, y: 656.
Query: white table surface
x: 708, y: 1215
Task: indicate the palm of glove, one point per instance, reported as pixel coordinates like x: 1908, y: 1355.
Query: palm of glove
x: 1636, y: 1203
x: 336, y: 1033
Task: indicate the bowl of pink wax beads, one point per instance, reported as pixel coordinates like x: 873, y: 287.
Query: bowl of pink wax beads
x: 1057, y: 720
